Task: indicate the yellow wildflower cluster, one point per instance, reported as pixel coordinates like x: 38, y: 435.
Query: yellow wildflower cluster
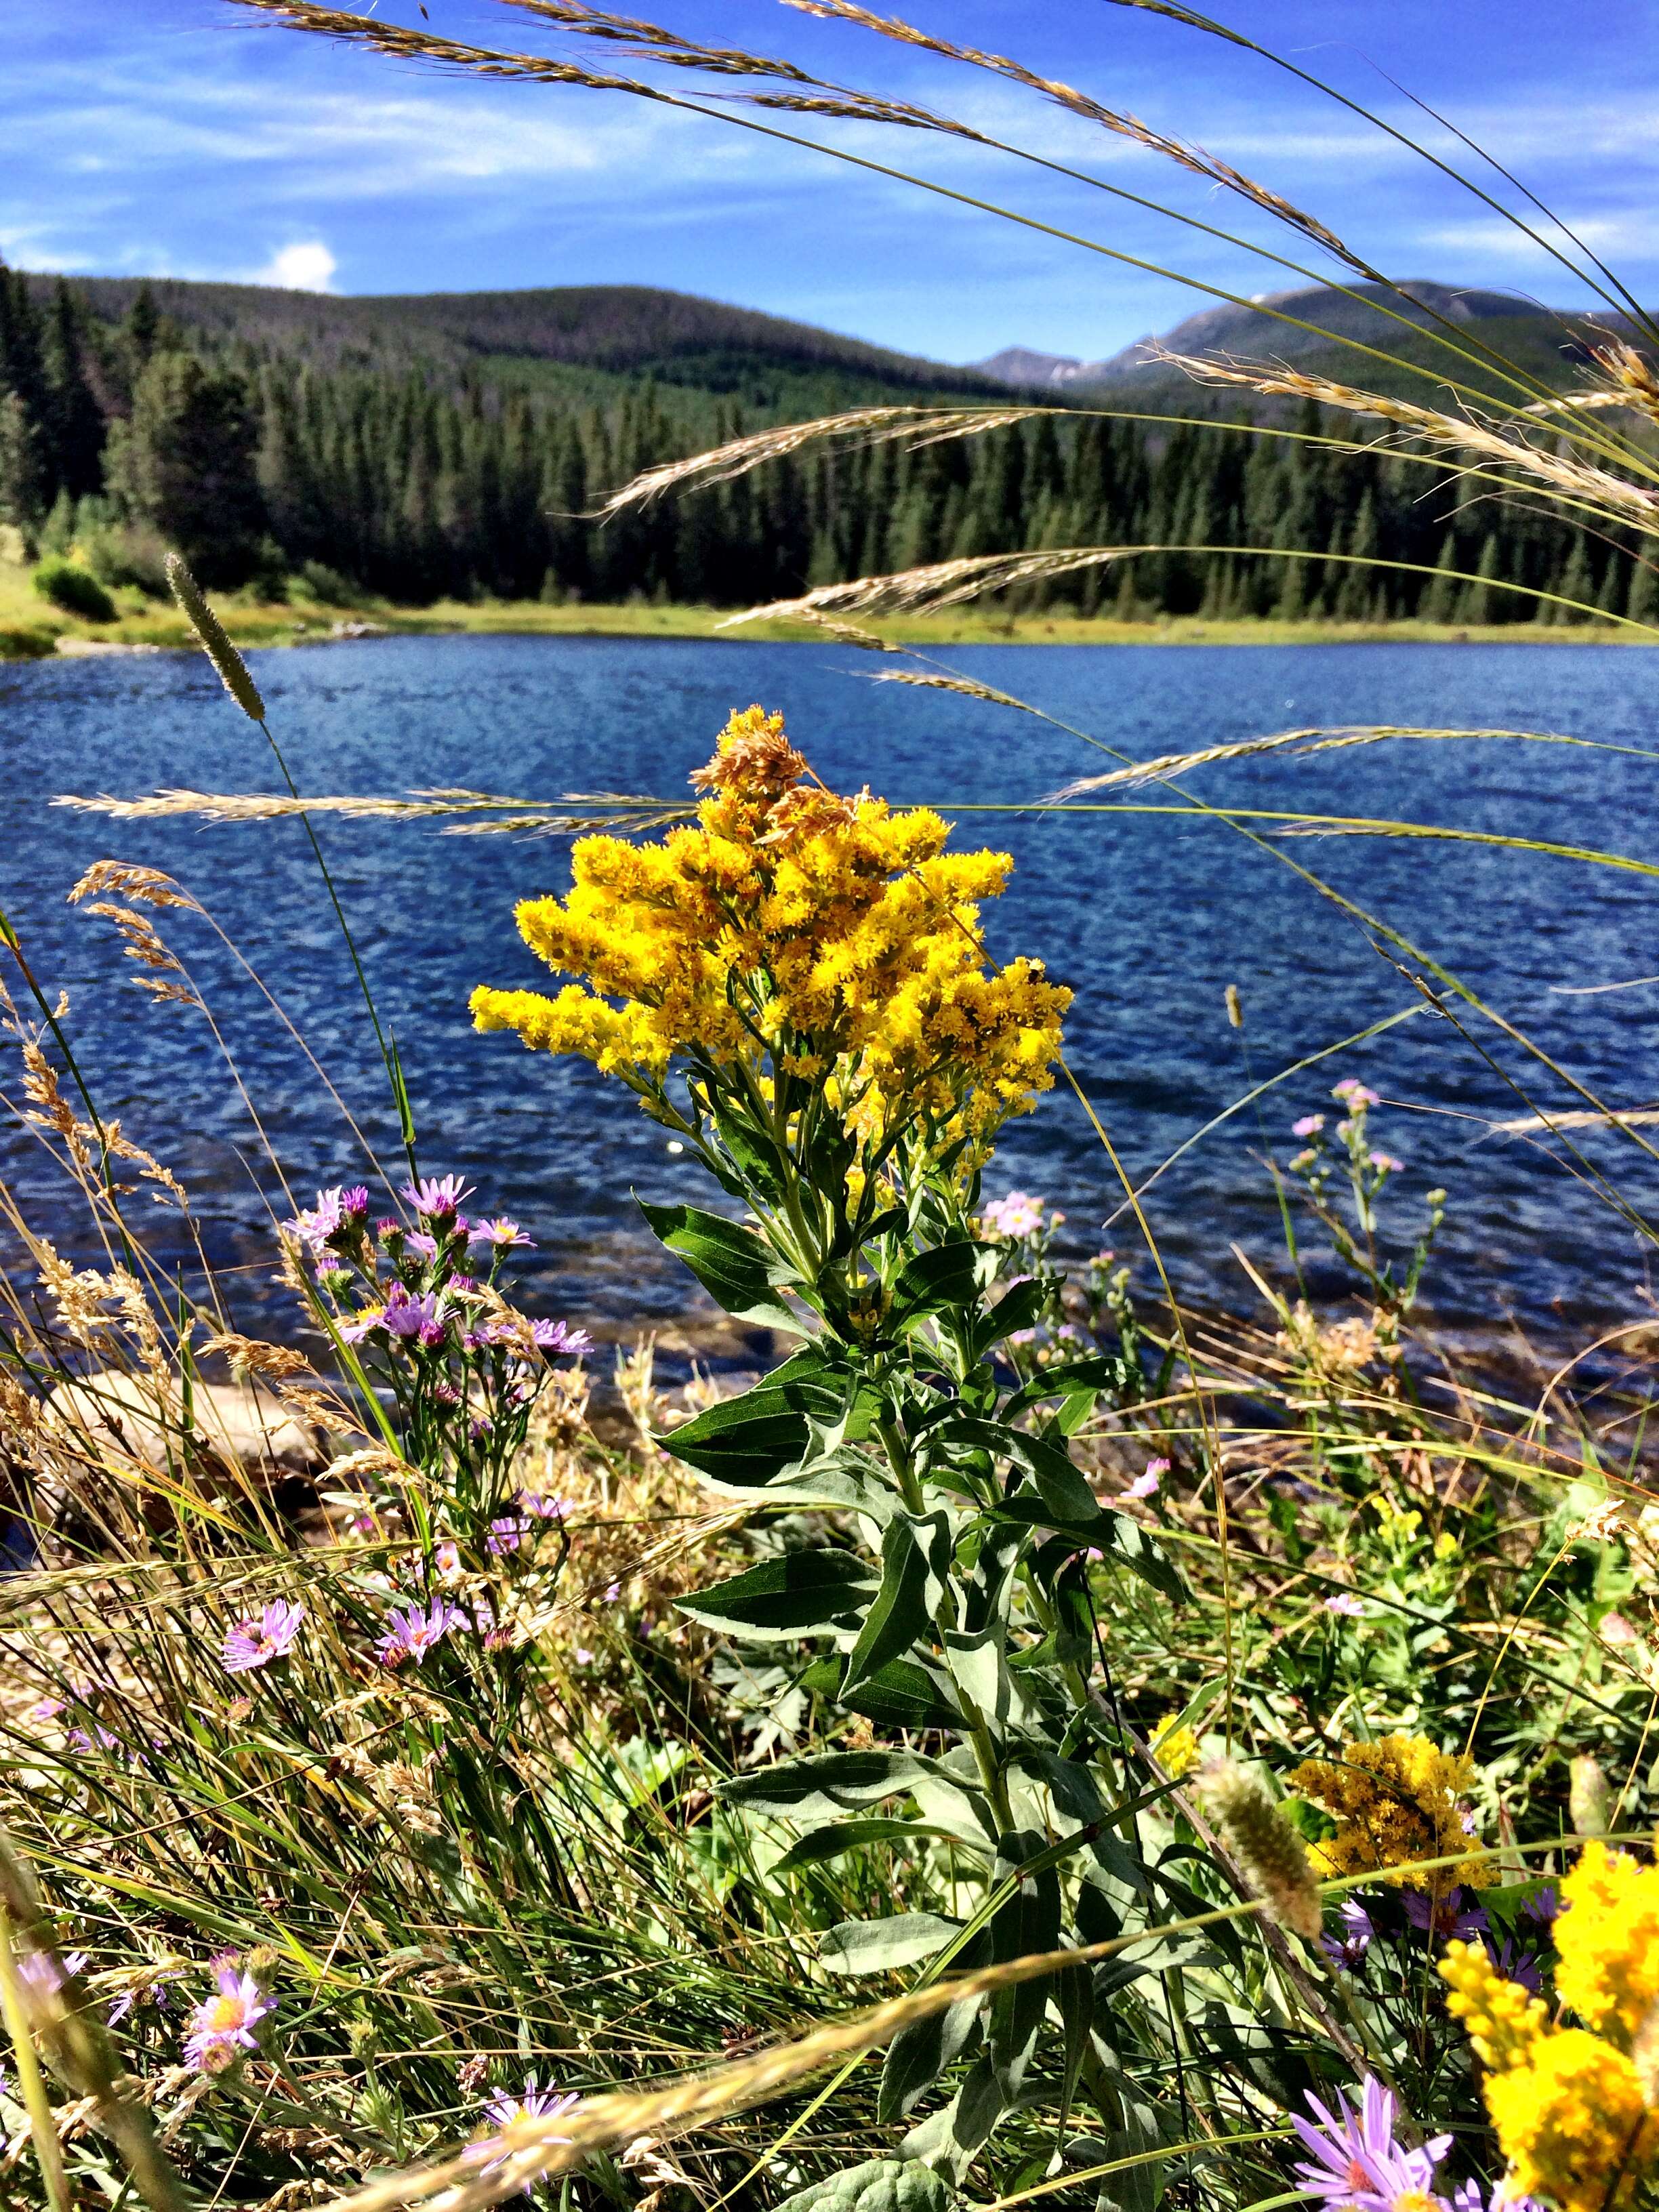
x: 831, y: 934
x: 1576, y: 2109
x: 1176, y: 1748
x: 1395, y: 1802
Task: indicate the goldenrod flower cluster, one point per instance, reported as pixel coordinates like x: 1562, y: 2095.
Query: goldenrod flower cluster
x: 832, y: 935
x: 1176, y: 1748
x: 1574, y: 2108
x: 1395, y: 1802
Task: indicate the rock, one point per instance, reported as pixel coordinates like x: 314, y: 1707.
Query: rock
x: 357, y: 629
x: 242, y: 1425
x: 99, y: 649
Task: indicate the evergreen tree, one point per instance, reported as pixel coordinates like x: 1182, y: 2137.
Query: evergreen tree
x: 183, y: 465
x: 1482, y: 604
x: 74, y: 422
x: 1643, y: 605
x: 20, y: 477
x: 1444, y: 596
x: 1574, y: 583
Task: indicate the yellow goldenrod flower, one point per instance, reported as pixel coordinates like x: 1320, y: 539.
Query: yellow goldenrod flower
x: 1572, y: 2123
x: 1395, y: 1802
x: 829, y: 937
x: 1608, y: 1935
x: 1504, y: 2020
x: 1574, y: 2108
x: 1175, y: 1747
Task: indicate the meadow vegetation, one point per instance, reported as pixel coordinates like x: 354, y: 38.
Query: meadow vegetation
x: 1032, y: 1744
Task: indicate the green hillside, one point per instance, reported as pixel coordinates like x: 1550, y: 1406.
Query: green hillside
x: 581, y: 341
x: 456, y: 447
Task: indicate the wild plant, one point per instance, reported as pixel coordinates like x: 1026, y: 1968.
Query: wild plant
x: 1211, y: 1697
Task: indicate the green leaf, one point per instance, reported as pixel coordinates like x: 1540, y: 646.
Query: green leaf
x: 1023, y: 1307
x: 949, y: 2138
x: 901, y: 1695
x: 784, y: 1597
x: 880, y: 2184
x: 1027, y: 1923
x: 1077, y: 1378
x: 847, y: 1835
x: 1125, y: 1539
x: 901, y: 1613
x: 920, y: 2053
x: 737, y: 1268
x: 1062, y: 1487
x: 833, y: 1782
x: 747, y: 1442
x: 876, y: 1946
x: 943, y: 1275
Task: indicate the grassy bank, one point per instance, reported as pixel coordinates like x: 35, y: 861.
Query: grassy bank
x: 31, y: 628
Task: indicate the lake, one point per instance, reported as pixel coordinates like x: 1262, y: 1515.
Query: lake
x: 1149, y: 914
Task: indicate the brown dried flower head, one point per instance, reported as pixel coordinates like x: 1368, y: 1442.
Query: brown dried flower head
x: 754, y: 755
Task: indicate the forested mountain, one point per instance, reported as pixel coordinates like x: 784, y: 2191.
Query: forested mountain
x: 452, y: 445
x: 1472, y: 338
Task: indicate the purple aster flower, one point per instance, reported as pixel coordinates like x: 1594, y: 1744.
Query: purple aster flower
x: 418, y: 1240
x: 1345, y: 1602
x: 1468, y: 2197
x: 152, y: 1992
x: 432, y: 1334
x: 1356, y: 2166
x: 502, y: 1232
x: 1543, y: 1903
x: 543, y: 1507
x: 506, y: 1532
x: 96, y: 1738
x: 1309, y: 1126
x: 222, y: 2026
x: 389, y: 1226
x: 407, y: 1316
x: 354, y: 1202
x: 1348, y: 1948
x: 1146, y: 1482
x: 1516, y: 1964
x: 1445, y: 1917
x: 412, y: 1633
x: 554, y: 1336
x: 503, y: 2110
x: 1386, y: 1163
x: 435, y: 1196
x: 1354, y: 1095
x: 268, y: 1635
x: 1016, y: 1216
x: 42, y: 1976
x: 314, y: 1225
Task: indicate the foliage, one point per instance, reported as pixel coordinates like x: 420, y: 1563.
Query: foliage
x: 76, y: 590
x: 1219, y: 1739
x: 417, y: 458
x: 366, y: 1798
x: 182, y: 464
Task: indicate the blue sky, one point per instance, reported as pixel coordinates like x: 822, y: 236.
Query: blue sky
x: 188, y: 137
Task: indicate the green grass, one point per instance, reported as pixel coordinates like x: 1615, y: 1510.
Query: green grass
x: 30, y: 629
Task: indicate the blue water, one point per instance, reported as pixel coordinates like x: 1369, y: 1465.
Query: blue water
x: 1147, y: 915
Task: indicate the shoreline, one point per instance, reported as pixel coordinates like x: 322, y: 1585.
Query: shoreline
x: 31, y: 629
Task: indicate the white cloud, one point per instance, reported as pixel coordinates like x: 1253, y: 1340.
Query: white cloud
x: 306, y: 266
x: 1617, y: 234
